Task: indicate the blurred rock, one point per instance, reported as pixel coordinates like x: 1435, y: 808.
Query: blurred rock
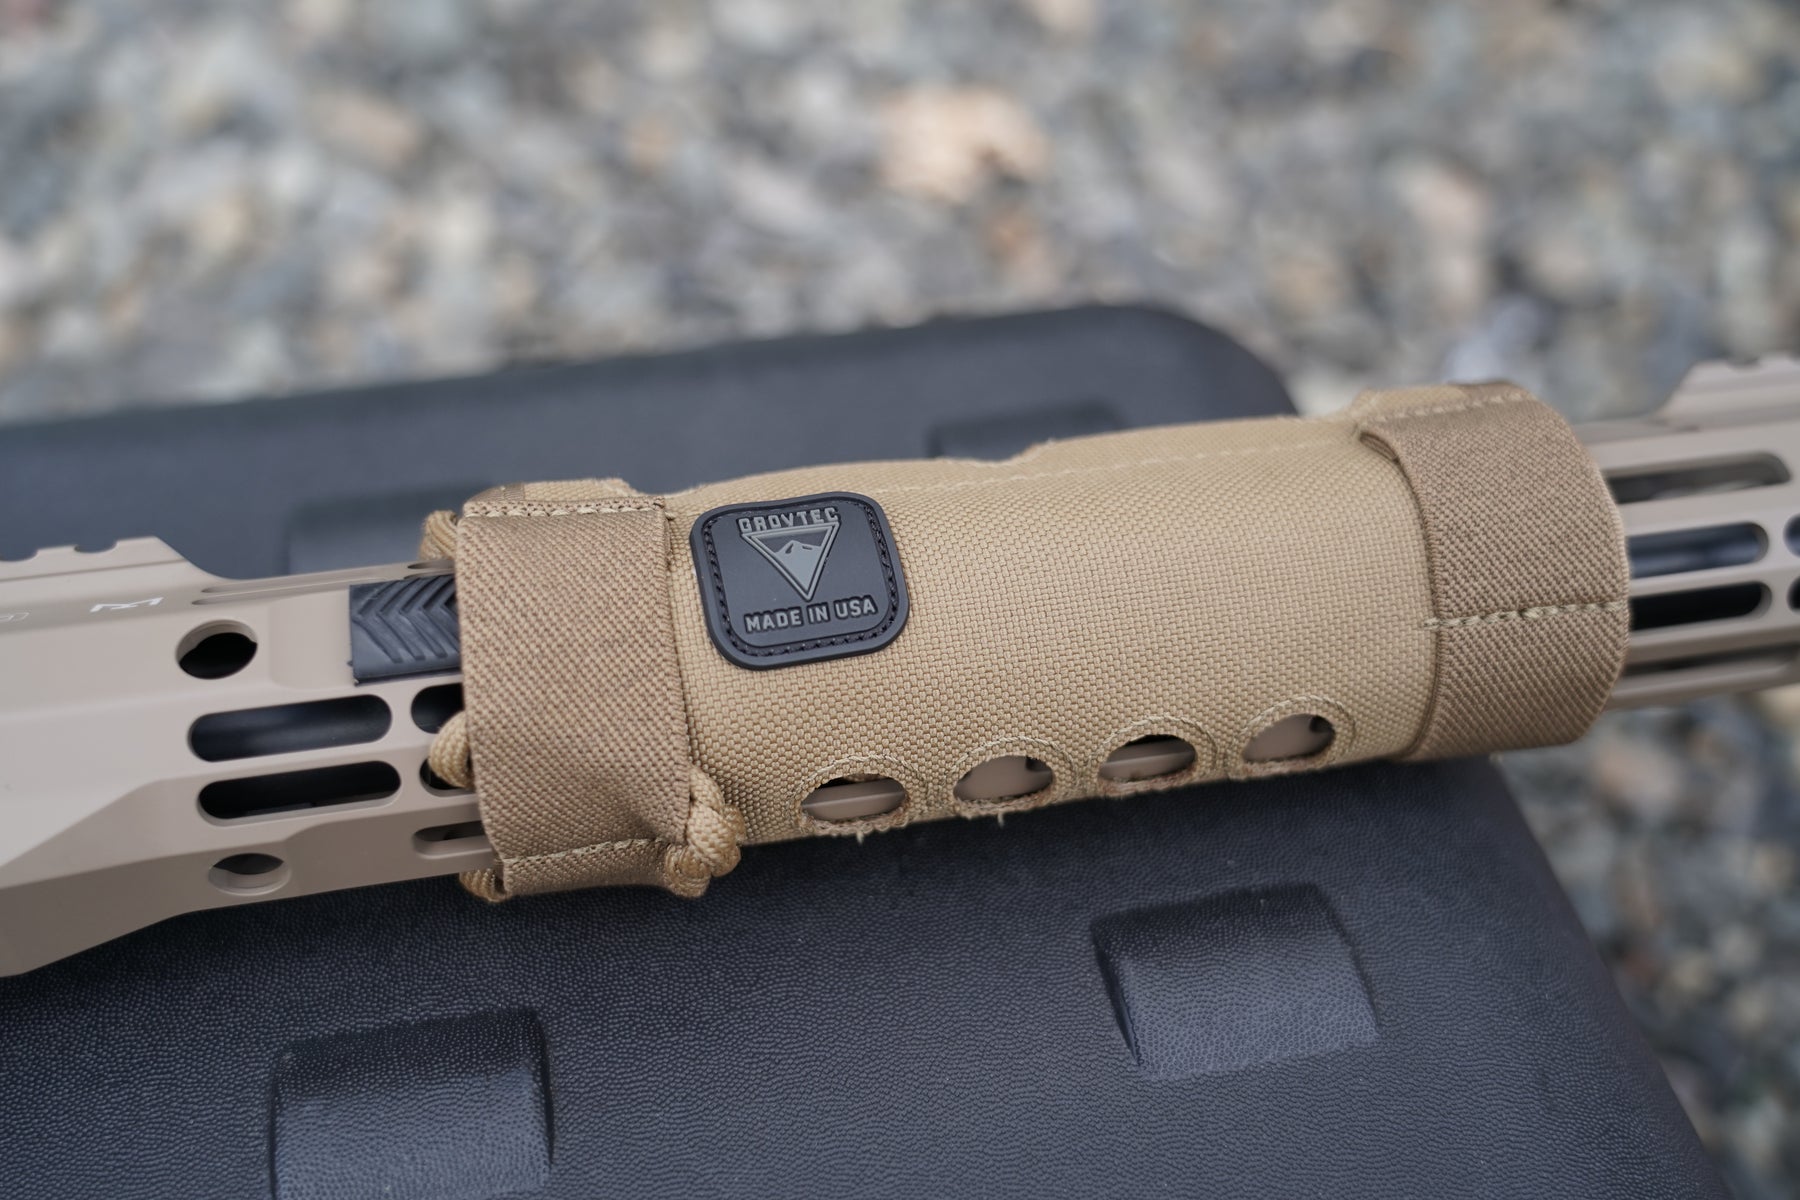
x: 945, y: 143
x: 362, y: 123
x: 422, y: 31
x: 1452, y: 211
x: 778, y: 201
x: 1637, y: 778
x: 1066, y: 18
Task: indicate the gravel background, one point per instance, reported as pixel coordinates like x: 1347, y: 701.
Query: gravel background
x: 205, y: 201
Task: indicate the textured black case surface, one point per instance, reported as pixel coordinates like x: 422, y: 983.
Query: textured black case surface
x: 1359, y: 984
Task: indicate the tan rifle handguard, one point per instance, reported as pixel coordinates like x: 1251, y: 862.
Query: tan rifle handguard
x: 1436, y: 571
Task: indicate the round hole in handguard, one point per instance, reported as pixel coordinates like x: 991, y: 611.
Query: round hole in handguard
x: 248, y: 874
x: 216, y: 650
x: 434, y: 706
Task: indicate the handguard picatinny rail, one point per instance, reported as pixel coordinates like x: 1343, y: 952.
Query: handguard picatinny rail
x: 171, y: 741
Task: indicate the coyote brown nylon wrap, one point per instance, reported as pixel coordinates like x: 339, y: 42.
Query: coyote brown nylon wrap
x: 1520, y: 529
x: 1437, y: 571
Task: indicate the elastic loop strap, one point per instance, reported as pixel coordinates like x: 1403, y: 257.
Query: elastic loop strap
x: 1527, y: 564
x: 576, y: 788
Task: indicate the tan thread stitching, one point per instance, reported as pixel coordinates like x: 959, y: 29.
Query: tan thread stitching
x: 1536, y: 613
x: 582, y: 510
x: 1444, y: 409
x: 1124, y: 466
x: 584, y: 851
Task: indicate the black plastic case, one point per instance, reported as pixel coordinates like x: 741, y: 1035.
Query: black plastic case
x: 1363, y: 983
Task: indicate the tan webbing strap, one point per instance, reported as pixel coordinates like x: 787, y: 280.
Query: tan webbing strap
x: 580, y: 786
x: 1527, y: 564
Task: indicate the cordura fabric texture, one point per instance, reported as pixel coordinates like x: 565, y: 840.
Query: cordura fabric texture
x: 1437, y: 571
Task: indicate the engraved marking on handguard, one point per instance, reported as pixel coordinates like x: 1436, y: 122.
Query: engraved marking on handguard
x: 800, y: 580
x: 110, y: 607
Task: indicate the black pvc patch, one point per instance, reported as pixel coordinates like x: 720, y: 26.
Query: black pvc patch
x: 799, y: 580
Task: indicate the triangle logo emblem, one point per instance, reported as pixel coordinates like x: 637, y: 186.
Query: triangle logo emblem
x: 801, y: 580
x: 797, y: 551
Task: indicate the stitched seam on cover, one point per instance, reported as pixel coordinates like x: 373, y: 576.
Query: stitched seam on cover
x: 688, y: 756
x: 578, y: 510
x: 584, y: 851
x: 1534, y: 613
x: 1124, y: 466
x: 1428, y: 719
x: 1443, y: 409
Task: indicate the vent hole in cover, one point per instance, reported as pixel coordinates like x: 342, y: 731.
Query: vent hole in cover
x: 854, y: 798
x: 1147, y: 758
x: 1008, y: 777
x: 1300, y: 736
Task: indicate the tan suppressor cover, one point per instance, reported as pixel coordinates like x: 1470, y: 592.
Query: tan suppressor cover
x: 1437, y: 571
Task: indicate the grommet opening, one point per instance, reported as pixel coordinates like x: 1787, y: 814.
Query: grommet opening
x: 1303, y: 735
x: 1148, y: 758
x: 1008, y: 777
x: 854, y: 798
